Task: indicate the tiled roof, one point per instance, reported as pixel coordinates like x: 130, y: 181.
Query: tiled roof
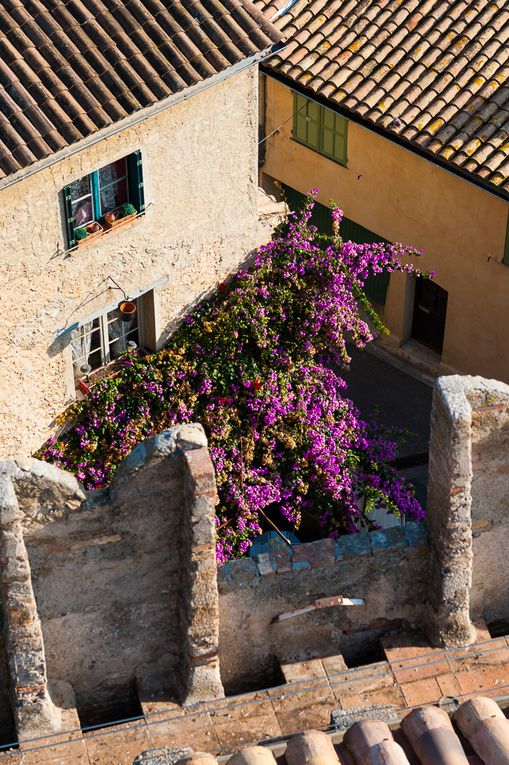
x: 71, y: 67
x: 426, y: 735
x: 432, y: 72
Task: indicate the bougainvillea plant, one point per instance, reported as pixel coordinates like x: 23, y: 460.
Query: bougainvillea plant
x: 259, y: 366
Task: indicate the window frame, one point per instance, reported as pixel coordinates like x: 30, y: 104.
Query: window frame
x: 303, y: 106
x: 135, y: 188
x: 104, y: 339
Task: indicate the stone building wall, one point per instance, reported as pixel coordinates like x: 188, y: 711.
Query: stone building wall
x: 386, y: 568
x: 199, y: 160
x: 118, y: 586
x: 468, y: 503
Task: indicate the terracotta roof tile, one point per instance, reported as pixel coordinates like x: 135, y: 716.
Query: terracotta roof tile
x: 71, y: 67
x: 426, y: 734
x: 435, y: 72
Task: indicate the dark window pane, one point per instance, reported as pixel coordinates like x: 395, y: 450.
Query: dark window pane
x: 113, y: 196
x: 111, y: 172
x: 82, y: 212
x: 80, y: 188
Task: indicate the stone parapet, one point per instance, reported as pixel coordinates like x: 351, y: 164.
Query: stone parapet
x: 468, y: 498
x: 107, y: 591
x: 388, y: 569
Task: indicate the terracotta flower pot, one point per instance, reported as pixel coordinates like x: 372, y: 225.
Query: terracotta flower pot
x: 127, y: 309
x: 112, y: 219
x: 94, y: 230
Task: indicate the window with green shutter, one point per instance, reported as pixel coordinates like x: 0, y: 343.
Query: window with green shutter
x: 320, y: 128
x: 105, y: 191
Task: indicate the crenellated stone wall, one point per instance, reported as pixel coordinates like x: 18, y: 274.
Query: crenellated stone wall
x: 113, y: 588
x: 388, y: 569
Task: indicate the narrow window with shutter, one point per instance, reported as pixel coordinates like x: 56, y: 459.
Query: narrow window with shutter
x: 69, y: 218
x: 135, y: 174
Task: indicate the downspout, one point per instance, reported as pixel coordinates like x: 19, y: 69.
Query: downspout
x: 262, y: 119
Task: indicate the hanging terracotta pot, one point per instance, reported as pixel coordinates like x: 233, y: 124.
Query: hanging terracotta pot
x: 126, y: 310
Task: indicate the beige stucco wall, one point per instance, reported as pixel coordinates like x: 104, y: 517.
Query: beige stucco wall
x: 200, y: 175
x: 403, y: 197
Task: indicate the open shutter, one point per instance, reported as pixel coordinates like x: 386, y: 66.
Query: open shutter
x: 69, y: 217
x: 505, y: 258
x: 136, y: 192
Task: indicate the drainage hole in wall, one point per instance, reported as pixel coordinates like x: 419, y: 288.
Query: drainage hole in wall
x: 498, y: 628
x: 370, y: 654
x: 8, y: 737
x: 119, y: 705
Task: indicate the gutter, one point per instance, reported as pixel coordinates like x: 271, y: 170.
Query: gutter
x: 140, y: 116
x: 404, y: 143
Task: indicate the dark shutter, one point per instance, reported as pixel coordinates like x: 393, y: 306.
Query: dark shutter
x: 505, y: 259
x: 136, y: 192
x: 69, y: 218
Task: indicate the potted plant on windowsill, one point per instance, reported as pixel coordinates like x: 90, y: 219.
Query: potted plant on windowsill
x: 119, y: 216
x: 84, y: 234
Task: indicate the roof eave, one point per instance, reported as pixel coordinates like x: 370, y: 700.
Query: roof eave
x: 387, y: 134
x: 139, y: 116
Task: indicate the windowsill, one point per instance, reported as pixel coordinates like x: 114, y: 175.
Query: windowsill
x: 108, y: 371
x: 94, y: 239
x: 321, y: 153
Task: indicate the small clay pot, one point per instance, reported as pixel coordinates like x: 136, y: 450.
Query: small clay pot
x: 127, y: 309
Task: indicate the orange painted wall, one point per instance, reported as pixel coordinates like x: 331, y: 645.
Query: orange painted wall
x: 403, y: 197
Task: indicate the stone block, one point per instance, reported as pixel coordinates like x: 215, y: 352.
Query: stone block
x: 201, y: 471
x: 416, y: 533
x: 9, y: 509
x: 300, y: 566
x: 204, y: 683
x: 162, y: 756
x: 317, y: 554
x: 283, y: 560
x: 244, y: 571
x: 265, y: 565
x: 388, y: 540
x: 354, y: 545
x: 225, y: 574
x: 190, y: 436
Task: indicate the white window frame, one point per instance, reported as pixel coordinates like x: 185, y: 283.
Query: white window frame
x: 104, y: 339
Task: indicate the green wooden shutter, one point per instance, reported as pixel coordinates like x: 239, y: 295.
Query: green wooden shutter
x: 505, y: 259
x: 313, y: 119
x: 69, y: 217
x: 327, y: 137
x: 376, y: 284
x: 340, y: 139
x: 135, y: 173
x: 300, y: 130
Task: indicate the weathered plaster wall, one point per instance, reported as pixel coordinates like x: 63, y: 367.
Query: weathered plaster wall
x: 118, y: 585
x: 468, y: 503
x: 200, y: 175
x: 403, y: 197
x: 388, y: 569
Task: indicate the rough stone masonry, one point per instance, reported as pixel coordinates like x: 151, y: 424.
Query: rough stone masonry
x: 113, y: 588
x: 468, y: 506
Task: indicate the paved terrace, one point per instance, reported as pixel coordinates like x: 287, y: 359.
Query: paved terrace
x: 412, y: 674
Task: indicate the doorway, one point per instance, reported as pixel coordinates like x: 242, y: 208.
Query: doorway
x: 430, y: 308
